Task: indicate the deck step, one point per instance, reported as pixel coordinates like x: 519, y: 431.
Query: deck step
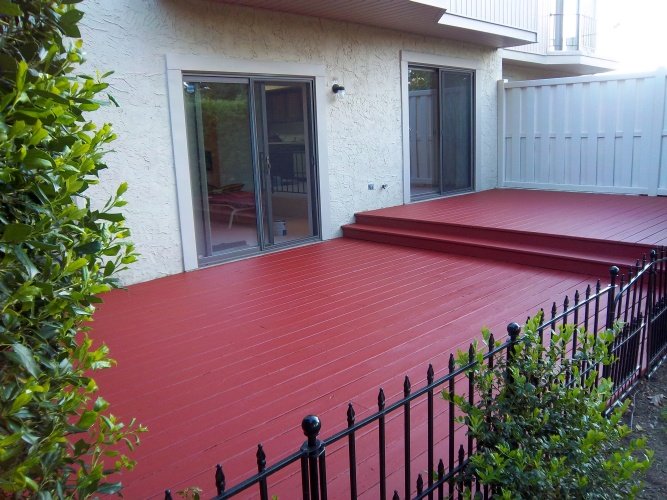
x: 583, y: 255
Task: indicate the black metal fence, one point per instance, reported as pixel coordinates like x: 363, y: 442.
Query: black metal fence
x: 636, y: 299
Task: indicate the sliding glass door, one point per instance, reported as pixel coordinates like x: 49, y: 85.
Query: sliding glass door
x: 441, y: 131
x: 252, y: 164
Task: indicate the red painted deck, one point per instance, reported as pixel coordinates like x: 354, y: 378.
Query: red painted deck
x: 562, y: 231
x: 630, y: 219
x: 217, y: 360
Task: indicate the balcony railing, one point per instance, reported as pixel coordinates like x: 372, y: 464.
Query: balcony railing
x: 572, y: 32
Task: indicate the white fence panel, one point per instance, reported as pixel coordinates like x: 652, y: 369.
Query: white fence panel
x: 593, y: 133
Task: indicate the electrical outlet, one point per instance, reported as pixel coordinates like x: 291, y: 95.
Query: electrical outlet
x: 371, y: 186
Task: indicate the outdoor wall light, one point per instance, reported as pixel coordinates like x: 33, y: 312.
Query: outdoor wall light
x: 339, y: 90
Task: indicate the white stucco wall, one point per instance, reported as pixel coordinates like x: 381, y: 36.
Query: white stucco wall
x: 364, y: 130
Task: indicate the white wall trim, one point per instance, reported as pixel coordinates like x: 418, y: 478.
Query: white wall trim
x: 177, y: 64
x: 181, y: 168
x: 218, y: 64
x: 501, y: 132
x: 440, y: 61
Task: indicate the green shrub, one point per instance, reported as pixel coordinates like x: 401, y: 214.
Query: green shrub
x: 539, y: 422
x: 57, y: 254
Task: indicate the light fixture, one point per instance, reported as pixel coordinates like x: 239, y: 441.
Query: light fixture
x: 339, y: 90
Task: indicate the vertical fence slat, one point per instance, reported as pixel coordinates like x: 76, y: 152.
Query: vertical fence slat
x: 452, y: 409
x: 382, y: 447
x: 471, y: 391
x: 261, y: 465
x: 406, y: 436
x: 219, y: 480
x: 352, y: 452
x: 429, y: 423
x: 314, y: 452
x: 441, y: 476
x: 460, y: 483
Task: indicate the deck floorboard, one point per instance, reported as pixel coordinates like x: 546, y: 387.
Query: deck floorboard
x: 214, y: 363
x: 218, y: 360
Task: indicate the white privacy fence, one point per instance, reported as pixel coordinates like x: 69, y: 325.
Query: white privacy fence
x: 594, y: 133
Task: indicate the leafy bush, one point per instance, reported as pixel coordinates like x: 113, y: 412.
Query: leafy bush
x: 539, y: 421
x: 57, y: 254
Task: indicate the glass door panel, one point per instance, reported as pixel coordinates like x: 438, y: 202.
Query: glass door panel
x: 221, y: 166
x: 457, y: 109
x: 424, y: 132
x: 285, y: 152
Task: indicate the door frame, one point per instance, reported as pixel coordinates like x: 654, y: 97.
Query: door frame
x: 177, y: 65
x: 438, y: 61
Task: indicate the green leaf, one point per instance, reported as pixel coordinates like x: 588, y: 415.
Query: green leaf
x: 111, y: 217
x: 38, y: 137
x: 21, y: 72
x: 87, y: 419
x: 91, y: 247
x: 48, y: 95
x: 16, y: 233
x: 121, y: 189
x: 110, y: 488
x: 76, y: 265
x: 23, y: 258
x: 72, y: 16
x: 36, y: 158
x: 101, y: 404
x: 9, y: 9
x: 20, y: 402
x: 24, y: 356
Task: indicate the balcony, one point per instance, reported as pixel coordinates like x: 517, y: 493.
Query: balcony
x: 574, y: 32
x: 566, y: 43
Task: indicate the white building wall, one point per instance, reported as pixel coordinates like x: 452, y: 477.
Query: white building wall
x: 364, y: 130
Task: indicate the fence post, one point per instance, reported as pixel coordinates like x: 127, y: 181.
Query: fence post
x: 611, y: 312
x: 646, y: 344
x: 219, y: 479
x: 513, y: 329
x: 655, y: 104
x: 313, y: 464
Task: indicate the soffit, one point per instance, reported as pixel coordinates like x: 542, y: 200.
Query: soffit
x: 403, y: 15
x: 575, y: 64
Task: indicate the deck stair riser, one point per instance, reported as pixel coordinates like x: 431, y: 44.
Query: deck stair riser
x: 523, y: 247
